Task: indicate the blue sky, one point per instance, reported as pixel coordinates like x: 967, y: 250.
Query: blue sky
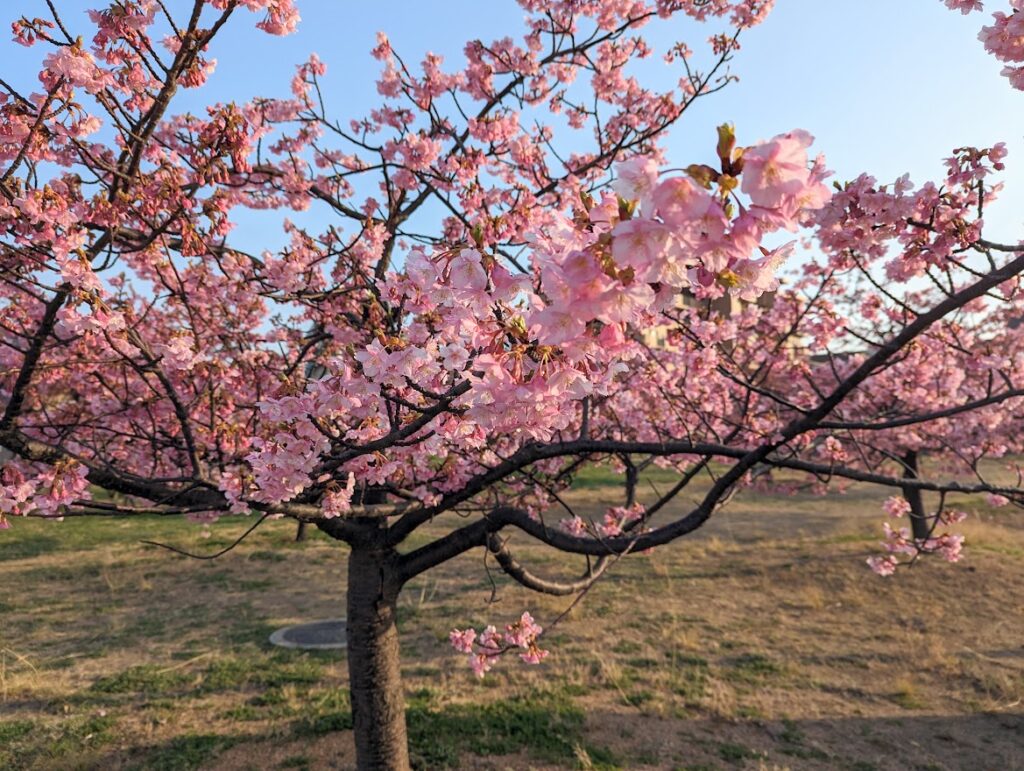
x: 886, y: 86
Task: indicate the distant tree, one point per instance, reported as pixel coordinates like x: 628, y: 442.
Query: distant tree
x: 470, y: 366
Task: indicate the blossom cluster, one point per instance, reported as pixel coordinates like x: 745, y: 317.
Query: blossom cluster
x: 1004, y: 39
x: 44, y: 493
x: 616, y: 521
x: 529, y: 347
x: 485, y: 648
x: 930, y: 225
x: 898, y: 541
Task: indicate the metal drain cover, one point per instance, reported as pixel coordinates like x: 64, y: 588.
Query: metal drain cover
x: 315, y: 636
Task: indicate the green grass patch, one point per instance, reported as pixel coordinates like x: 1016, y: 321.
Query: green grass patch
x: 643, y: 663
x: 1007, y: 551
x: 331, y: 711
x: 186, y: 752
x: 737, y: 753
x: 751, y: 668
x: 29, y: 545
x: 324, y: 723
x: 267, y: 671
x: 24, y: 744
x: 546, y: 726
x: 12, y: 730
x: 249, y: 630
x: 228, y: 674
x: 805, y: 753
x: 639, y: 698
x: 592, y: 477
x: 143, y: 679
x: 626, y: 646
x: 791, y: 733
x: 688, y: 676
x: 29, y: 538
x: 298, y: 762
x: 268, y: 556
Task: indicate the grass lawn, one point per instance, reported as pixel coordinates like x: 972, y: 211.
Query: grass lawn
x: 763, y: 642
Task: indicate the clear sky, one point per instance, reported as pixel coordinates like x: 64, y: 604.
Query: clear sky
x: 886, y: 86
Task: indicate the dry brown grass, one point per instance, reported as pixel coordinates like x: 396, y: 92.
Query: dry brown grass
x: 761, y: 642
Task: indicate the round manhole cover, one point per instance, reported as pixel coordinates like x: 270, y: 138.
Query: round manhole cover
x: 318, y: 635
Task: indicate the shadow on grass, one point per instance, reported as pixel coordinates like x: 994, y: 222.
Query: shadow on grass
x: 546, y: 729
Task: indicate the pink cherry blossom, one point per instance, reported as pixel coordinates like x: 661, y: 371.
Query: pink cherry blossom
x: 896, y: 506
x: 777, y: 171
x: 636, y: 179
x: 463, y: 640
x: 882, y: 566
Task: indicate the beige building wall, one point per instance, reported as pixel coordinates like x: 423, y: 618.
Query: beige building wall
x: 724, y: 306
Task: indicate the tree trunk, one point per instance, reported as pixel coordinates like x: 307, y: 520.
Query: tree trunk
x: 919, y: 524
x: 300, y: 533
x: 375, y: 677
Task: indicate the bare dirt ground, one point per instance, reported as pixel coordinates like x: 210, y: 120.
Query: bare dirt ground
x: 762, y: 642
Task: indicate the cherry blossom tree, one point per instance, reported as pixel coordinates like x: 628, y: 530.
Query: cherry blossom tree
x: 400, y: 367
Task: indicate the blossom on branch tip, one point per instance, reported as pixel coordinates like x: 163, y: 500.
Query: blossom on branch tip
x: 485, y: 649
x: 896, y: 506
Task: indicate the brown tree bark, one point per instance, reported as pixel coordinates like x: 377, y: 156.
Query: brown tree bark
x: 919, y: 524
x: 375, y: 676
